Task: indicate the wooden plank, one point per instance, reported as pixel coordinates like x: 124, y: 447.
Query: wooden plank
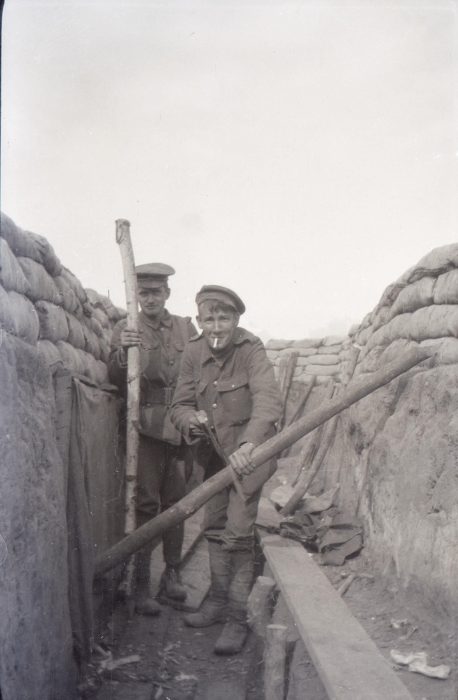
x: 349, y: 663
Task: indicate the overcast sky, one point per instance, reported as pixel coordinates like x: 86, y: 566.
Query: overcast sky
x: 302, y: 153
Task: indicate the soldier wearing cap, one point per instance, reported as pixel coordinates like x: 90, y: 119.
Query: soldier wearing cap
x: 163, y: 458
x: 225, y: 372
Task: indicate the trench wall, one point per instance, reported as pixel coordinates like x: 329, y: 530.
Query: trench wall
x: 54, y: 336
x: 395, y: 453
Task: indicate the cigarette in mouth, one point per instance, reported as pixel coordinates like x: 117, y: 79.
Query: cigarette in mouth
x: 215, y: 342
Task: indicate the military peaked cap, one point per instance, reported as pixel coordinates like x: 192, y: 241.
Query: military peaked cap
x: 213, y: 292
x: 153, y: 274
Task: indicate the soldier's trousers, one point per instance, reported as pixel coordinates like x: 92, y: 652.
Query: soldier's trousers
x: 161, y: 481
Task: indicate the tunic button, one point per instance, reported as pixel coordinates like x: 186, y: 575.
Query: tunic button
x: 215, y: 383
x: 214, y: 405
x: 172, y: 362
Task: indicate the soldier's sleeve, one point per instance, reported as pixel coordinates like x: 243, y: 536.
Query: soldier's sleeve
x: 117, y: 361
x: 184, y: 398
x: 265, y: 394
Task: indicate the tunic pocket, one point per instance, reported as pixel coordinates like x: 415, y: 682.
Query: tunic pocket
x: 235, y: 397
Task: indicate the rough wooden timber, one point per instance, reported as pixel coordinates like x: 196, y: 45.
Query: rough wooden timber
x: 347, y: 660
x: 194, y: 500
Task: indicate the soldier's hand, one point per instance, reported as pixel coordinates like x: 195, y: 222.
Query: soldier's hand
x: 129, y: 338
x: 240, y: 460
x: 195, y: 425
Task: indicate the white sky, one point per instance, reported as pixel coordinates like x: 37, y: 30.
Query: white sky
x: 302, y: 153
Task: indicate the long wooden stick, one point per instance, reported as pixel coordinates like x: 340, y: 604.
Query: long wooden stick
x: 301, y: 405
x: 194, y: 500
x: 285, y: 384
x: 275, y: 662
x: 133, y: 394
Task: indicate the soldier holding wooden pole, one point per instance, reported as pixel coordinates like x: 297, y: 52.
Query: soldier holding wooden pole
x: 226, y: 374
x: 163, y: 458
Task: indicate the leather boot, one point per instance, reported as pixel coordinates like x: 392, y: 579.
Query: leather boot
x: 171, y: 584
x: 213, y: 609
x: 235, y: 631
x: 145, y: 604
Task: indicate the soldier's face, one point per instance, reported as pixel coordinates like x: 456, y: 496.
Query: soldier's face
x: 218, y: 327
x: 152, y: 300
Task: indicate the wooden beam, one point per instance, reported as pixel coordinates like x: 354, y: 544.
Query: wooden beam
x: 349, y: 663
x: 219, y: 481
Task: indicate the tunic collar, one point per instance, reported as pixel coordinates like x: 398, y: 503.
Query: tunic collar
x: 165, y: 320
x: 207, y: 356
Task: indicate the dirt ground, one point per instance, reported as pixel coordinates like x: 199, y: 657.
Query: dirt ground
x: 177, y: 663
x: 393, y: 622
x: 173, y: 662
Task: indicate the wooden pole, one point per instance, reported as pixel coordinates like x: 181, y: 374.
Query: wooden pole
x: 307, y: 476
x: 275, y: 662
x: 301, y: 405
x: 260, y: 603
x: 194, y: 500
x: 133, y: 395
x: 285, y: 385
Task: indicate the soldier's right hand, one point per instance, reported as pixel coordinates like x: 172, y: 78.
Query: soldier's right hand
x: 195, y: 424
x: 129, y: 338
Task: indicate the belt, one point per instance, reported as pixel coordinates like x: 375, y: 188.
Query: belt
x: 160, y: 395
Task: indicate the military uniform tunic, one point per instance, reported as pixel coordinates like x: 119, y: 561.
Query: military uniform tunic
x: 238, y: 391
x: 163, y: 458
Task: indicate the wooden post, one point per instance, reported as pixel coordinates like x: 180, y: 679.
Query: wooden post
x: 274, y: 662
x: 133, y: 396
x: 260, y: 603
x: 194, y: 500
x: 301, y: 405
x: 307, y: 476
x: 285, y: 383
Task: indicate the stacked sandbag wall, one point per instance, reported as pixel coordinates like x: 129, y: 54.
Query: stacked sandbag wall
x: 401, y: 443
x: 395, y: 452
x: 48, y: 325
x: 45, y: 305
x: 321, y: 358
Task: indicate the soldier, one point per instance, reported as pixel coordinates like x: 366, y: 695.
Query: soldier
x: 225, y: 372
x: 163, y: 457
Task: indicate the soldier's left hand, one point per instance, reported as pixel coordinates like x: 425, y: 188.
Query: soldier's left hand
x: 240, y: 460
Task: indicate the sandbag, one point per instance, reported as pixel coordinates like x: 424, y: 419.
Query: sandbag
x: 93, y: 297
x: 381, y: 317
x: 436, y: 262
x: 104, y: 349
x: 414, y: 296
x: 74, y: 284
x: 42, y: 285
x: 101, y: 372
x: 434, y: 322
x: 75, y: 332
x: 95, y: 326
x: 321, y: 360
x: 69, y: 299
x: 92, y: 344
x: 395, y: 350
x: 446, y: 349
x: 70, y: 357
x: 6, y: 314
x: 19, y: 242
x: 49, y: 352
x: 29, y: 245
x: 26, y: 323
x: 47, y: 256
x: 446, y: 288
x: 102, y: 318
x: 53, y: 323
x: 12, y: 277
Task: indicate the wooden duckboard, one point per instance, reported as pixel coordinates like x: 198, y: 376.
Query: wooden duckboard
x: 348, y: 662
